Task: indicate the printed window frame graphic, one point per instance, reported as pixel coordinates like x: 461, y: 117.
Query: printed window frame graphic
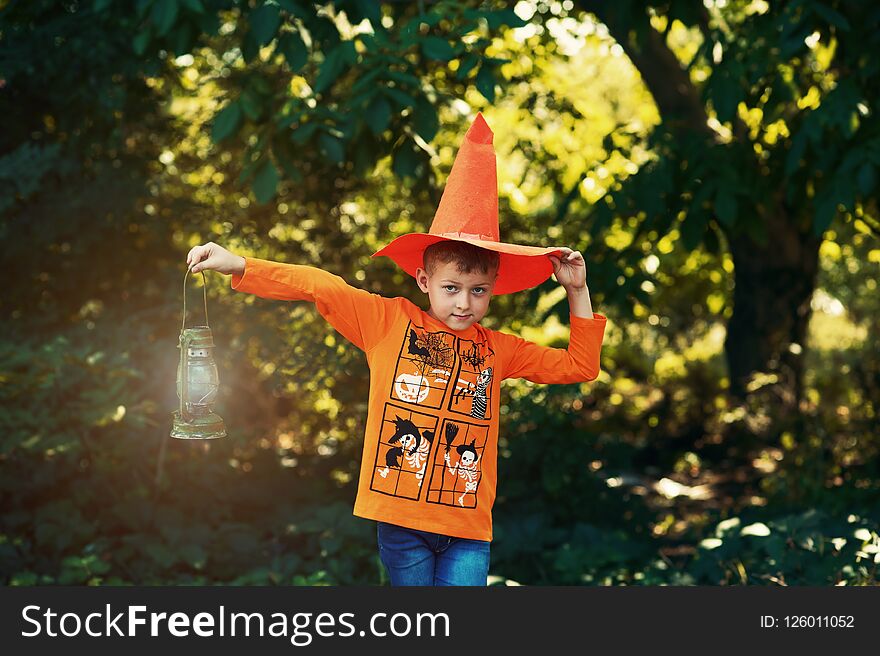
x: 402, y: 481
x: 431, y: 354
x: 456, y: 398
x: 438, y: 490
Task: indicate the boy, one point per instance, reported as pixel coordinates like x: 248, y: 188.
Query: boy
x: 428, y: 472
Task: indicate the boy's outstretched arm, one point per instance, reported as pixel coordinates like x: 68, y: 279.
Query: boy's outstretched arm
x: 358, y: 315
x: 571, y: 272
x: 580, y: 361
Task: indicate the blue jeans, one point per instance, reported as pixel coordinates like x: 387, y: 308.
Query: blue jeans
x: 415, y: 557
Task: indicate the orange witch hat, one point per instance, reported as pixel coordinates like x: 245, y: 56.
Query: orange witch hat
x: 468, y: 212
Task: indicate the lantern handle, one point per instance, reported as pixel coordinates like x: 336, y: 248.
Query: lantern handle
x: 204, y: 289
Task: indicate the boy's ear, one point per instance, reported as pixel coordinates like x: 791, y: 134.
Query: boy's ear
x: 422, y: 279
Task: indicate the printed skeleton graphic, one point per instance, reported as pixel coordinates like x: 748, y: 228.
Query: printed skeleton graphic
x: 414, y: 447
x: 465, y: 468
x: 480, y: 401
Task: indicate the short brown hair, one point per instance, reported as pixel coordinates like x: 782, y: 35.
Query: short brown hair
x: 467, y: 257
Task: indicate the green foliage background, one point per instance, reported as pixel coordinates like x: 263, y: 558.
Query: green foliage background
x: 284, y: 131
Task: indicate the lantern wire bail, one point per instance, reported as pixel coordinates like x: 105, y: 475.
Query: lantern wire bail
x: 204, y: 289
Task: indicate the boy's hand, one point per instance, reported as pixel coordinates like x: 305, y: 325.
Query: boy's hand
x: 570, y: 269
x: 210, y: 256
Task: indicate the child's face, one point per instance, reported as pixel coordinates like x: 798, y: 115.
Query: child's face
x: 457, y: 299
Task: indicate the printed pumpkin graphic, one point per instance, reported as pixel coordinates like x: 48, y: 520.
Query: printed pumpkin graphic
x: 424, y: 367
x: 412, y: 388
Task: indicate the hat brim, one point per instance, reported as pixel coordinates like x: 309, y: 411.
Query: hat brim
x: 520, y: 267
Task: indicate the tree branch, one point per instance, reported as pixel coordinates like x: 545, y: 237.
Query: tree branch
x: 666, y: 79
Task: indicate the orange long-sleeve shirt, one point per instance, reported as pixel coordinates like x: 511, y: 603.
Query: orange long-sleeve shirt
x: 430, y: 448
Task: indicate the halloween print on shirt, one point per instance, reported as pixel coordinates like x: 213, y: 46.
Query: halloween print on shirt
x: 456, y: 467
x: 424, y: 367
x: 404, y: 448
x: 473, y: 383
x: 440, y: 373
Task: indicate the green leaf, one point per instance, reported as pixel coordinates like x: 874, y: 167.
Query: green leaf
x: 692, y: 229
x: 403, y: 100
x: 430, y: 19
x: 331, y: 69
x: 436, y: 48
x: 405, y: 160
x: 794, y: 44
x: 486, y: 83
x: 832, y: 16
x: 164, y: 14
x: 366, y: 81
x: 826, y: 209
x: 725, y: 95
x: 726, y: 207
x: 324, y: 32
x: 287, y: 164
x: 349, y: 52
x: 73, y: 571
x: 332, y: 148
x: 364, y: 158
x: 250, y: 104
x: 366, y: 9
x: 466, y: 66
x: 226, y: 123
x: 194, y: 6
x: 294, y: 50
x: 208, y: 23
x: 425, y: 119
x: 139, y: 43
x: 508, y: 17
x: 405, y: 79
x: 378, y: 115
x: 250, y: 47
x: 495, y: 61
x: 304, y: 133
x: 182, y: 39
x: 294, y: 7
x: 247, y: 171
x: 264, y: 23
x: 265, y: 182
x: 704, y: 190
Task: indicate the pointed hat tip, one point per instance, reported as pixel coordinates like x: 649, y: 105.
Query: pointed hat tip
x: 480, y: 132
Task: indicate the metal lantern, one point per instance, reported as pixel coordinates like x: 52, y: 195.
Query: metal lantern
x: 197, y: 380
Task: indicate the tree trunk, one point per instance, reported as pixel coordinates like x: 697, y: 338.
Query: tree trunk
x: 774, y: 285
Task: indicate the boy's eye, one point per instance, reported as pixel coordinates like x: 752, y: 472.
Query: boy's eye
x: 452, y: 288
